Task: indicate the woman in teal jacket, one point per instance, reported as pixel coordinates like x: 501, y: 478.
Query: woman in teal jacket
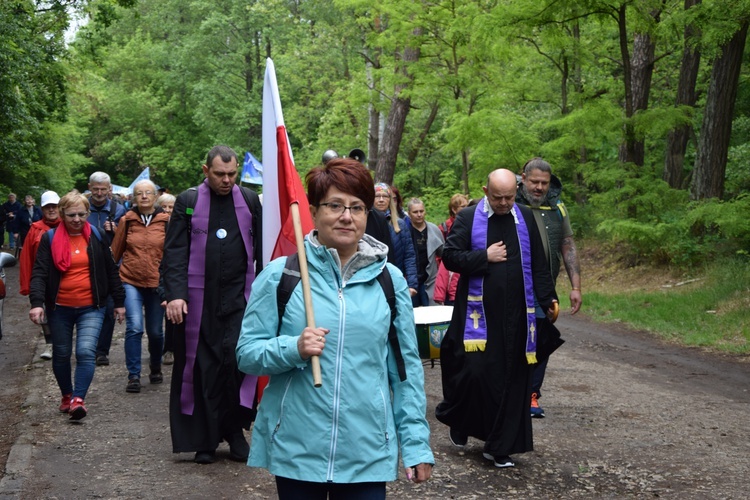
x: 342, y: 438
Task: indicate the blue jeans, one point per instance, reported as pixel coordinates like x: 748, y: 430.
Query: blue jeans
x: 293, y: 489
x: 138, y: 299
x: 87, y: 322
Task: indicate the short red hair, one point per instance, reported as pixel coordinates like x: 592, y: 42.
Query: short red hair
x: 345, y: 174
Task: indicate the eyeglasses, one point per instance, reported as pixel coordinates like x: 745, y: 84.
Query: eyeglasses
x: 99, y: 190
x: 339, y: 208
x: 382, y: 196
x: 80, y: 215
x: 144, y: 193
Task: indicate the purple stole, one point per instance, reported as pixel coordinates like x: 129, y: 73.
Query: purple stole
x: 475, y: 331
x: 196, y: 288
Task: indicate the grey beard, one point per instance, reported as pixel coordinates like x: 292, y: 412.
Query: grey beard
x: 535, y: 201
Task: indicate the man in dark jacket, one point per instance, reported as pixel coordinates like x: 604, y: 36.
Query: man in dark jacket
x: 12, y: 206
x: 105, y: 214
x: 29, y: 214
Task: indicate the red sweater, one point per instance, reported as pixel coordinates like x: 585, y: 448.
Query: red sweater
x: 445, y: 284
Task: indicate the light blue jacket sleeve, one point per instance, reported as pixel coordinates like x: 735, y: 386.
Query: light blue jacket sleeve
x: 409, y: 400
x: 259, y: 350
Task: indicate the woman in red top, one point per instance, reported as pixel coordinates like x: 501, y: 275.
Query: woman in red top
x: 73, y: 274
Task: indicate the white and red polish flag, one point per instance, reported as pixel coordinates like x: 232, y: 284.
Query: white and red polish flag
x: 282, y: 185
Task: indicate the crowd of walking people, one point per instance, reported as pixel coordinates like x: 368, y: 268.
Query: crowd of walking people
x: 188, y: 272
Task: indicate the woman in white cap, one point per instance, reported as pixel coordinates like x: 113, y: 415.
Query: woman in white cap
x: 50, y: 218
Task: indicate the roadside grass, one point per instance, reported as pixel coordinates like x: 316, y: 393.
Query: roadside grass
x: 708, y: 308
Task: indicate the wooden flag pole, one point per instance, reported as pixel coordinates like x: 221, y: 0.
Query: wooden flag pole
x: 306, y: 292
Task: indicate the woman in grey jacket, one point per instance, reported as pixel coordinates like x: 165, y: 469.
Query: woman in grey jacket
x: 343, y: 438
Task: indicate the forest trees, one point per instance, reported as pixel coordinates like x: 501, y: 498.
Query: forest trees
x: 637, y: 104
x: 32, y: 91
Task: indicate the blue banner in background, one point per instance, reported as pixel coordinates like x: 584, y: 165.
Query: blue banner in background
x: 146, y: 174
x: 252, y: 170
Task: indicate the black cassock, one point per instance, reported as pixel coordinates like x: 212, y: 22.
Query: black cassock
x: 217, y: 413
x: 486, y: 394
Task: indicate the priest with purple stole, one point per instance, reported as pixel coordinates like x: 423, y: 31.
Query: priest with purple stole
x: 212, y: 253
x: 489, y: 350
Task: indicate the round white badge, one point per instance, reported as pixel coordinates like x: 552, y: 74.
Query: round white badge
x: 221, y: 233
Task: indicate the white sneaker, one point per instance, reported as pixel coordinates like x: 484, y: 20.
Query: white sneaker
x: 47, y: 354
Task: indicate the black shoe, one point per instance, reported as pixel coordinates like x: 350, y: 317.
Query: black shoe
x: 156, y: 377
x: 134, y: 385
x: 238, y: 447
x: 205, y: 457
x: 502, y: 462
x: 102, y: 360
x: 459, y: 440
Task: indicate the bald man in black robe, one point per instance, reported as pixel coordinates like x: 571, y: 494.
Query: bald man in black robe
x: 487, y: 384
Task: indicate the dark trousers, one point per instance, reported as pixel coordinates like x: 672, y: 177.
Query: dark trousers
x: 537, y: 378
x: 421, y: 298
x: 169, y: 332
x: 108, y: 328
x: 291, y: 489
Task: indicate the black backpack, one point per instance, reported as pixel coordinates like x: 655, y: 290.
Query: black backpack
x: 291, y: 276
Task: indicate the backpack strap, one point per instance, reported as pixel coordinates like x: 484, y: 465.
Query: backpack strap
x: 290, y: 276
x: 112, y: 210
x: 192, y: 197
x: 386, y: 283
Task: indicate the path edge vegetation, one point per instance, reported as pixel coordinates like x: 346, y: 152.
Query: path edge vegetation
x: 703, y: 306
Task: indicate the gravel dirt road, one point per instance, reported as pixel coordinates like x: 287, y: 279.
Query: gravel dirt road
x: 627, y: 416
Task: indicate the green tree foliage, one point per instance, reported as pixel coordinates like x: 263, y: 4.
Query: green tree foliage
x: 590, y: 85
x: 32, y: 93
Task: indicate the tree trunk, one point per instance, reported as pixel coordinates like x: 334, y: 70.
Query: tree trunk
x: 578, y: 86
x: 394, y: 129
x: 373, y: 123
x: 372, y: 62
x: 677, y: 139
x: 389, y: 145
x: 423, y: 135
x: 641, y: 69
x: 373, y: 137
x: 711, y: 161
